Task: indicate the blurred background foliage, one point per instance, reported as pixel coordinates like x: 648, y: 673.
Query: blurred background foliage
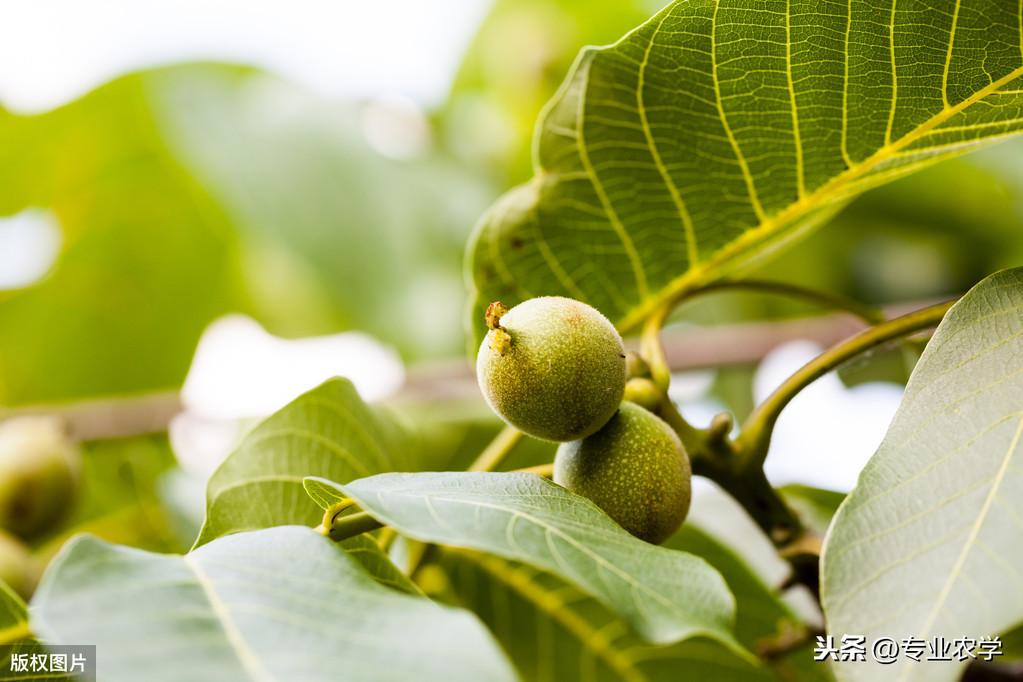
x: 187, y: 192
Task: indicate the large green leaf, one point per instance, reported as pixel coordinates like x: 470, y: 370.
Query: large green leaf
x: 555, y: 632
x: 278, y: 604
x: 720, y: 130
x: 552, y: 631
x: 760, y: 613
x: 326, y: 432
x: 927, y: 544
x: 665, y: 595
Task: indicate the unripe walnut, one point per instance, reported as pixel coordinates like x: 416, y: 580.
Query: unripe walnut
x: 552, y: 367
x: 38, y: 474
x: 635, y: 469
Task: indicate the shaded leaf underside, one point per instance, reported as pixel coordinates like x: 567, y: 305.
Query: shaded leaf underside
x: 719, y: 130
x: 552, y: 631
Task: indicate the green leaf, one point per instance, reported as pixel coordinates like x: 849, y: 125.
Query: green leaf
x: 376, y: 563
x: 382, y: 250
x: 664, y: 594
x: 760, y: 613
x: 278, y: 604
x: 148, y: 258
x: 326, y: 432
x: 927, y: 544
x: 814, y: 506
x: 554, y: 632
x: 721, y: 130
x: 16, y: 637
x: 13, y: 616
x: 323, y: 493
x: 1012, y: 644
x: 362, y: 547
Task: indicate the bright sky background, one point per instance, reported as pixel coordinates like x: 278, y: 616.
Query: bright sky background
x: 52, y: 51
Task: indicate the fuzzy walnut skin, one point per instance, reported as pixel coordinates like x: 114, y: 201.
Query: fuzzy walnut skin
x: 561, y: 374
x: 635, y: 469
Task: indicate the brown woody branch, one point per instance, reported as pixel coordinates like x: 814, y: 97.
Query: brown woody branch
x: 685, y: 349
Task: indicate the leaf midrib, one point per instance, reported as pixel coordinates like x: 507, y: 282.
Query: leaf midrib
x: 817, y: 199
x: 971, y: 540
x: 248, y: 659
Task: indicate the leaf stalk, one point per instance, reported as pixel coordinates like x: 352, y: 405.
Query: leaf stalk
x: 755, y: 438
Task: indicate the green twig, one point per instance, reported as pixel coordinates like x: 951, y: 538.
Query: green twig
x: 344, y: 527
x: 752, y: 444
x: 714, y: 456
x: 497, y: 450
x: 652, y: 349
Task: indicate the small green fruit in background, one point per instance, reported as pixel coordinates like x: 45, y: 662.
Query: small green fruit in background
x: 17, y: 568
x: 635, y: 365
x: 38, y: 474
x: 643, y: 392
x: 635, y: 469
x: 552, y: 367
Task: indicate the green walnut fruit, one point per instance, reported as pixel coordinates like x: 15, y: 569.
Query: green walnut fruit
x: 38, y: 474
x: 552, y: 367
x: 635, y: 469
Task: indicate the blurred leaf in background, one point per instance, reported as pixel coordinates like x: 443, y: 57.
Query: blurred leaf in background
x: 351, y: 216
x: 517, y: 60
x: 148, y: 258
x: 188, y: 192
